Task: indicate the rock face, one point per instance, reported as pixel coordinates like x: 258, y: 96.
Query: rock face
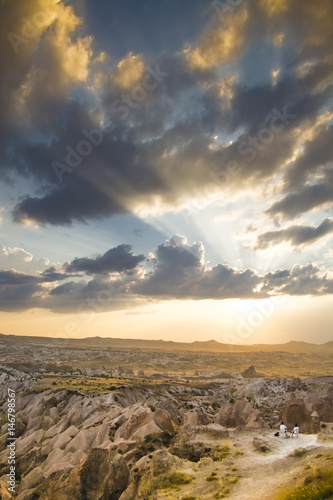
x: 195, y: 417
x: 162, y: 419
x: 213, y: 431
x: 210, y: 431
x: 250, y: 372
x: 322, y: 403
x: 102, y: 476
x: 139, y: 418
x: 256, y: 389
x: 4, y: 494
x: 295, y: 411
x: 141, y: 422
x: 261, y: 445
x: 162, y: 462
x: 240, y: 414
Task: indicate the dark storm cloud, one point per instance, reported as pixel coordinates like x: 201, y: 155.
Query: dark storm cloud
x: 123, y: 172
x: 316, y: 158
x: 277, y: 278
x: 295, y: 235
x: 116, y: 259
x: 177, y: 270
x: 16, y: 278
x: 20, y: 297
x: 62, y: 206
x: 307, y: 198
x: 161, y: 146
x: 95, y: 296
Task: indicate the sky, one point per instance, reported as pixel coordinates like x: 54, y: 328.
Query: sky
x: 166, y: 169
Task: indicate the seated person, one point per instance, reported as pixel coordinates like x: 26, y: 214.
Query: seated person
x: 295, y: 431
x: 283, y: 429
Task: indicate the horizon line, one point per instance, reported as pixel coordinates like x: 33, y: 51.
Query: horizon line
x: 162, y: 340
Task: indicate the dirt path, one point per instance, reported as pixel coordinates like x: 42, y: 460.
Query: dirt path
x: 262, y: 474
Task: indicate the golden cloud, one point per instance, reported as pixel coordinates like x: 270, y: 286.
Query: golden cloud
x: 313, y: 20
x: 70, y: 59
x: 219, y: 45
x: 53, y: 61
x: 129, y: 71
x: 274, y: 7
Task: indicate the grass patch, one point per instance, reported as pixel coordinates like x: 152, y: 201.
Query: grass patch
x: 317, y: 486
x: 238, y: 452
x: 173, y: 480
x: 299, y: 452
x: 84, y: 384
x: 211, y: 477
x: 168, y: 482
x: 219, y: 453
x: 233, y: 480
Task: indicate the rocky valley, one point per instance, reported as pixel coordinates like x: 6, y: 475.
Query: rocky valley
x: 137, y: 423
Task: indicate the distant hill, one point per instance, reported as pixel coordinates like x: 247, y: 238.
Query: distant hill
x: 162, y: 345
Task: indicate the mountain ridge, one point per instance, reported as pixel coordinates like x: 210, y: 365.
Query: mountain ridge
x: 211, y: 345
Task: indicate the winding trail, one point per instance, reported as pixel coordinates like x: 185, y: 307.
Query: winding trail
x: 263, y: 474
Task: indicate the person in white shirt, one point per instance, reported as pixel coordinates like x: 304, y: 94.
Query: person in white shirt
x: 283, y: 429
x: 295, y: 431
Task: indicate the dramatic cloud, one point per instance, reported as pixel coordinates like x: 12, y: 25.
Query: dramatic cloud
x: 116, y: 259
x: 21, y: 297
x: 295, y: 235
x: 176, y: 270
x: 129, y: 72
x: 222, y: 44
x: 180, y: 272
x: 303, y: 280
x: 15, y: 278
x: 101, y: 136
x: 307, y: 198
x: 95, y: 128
